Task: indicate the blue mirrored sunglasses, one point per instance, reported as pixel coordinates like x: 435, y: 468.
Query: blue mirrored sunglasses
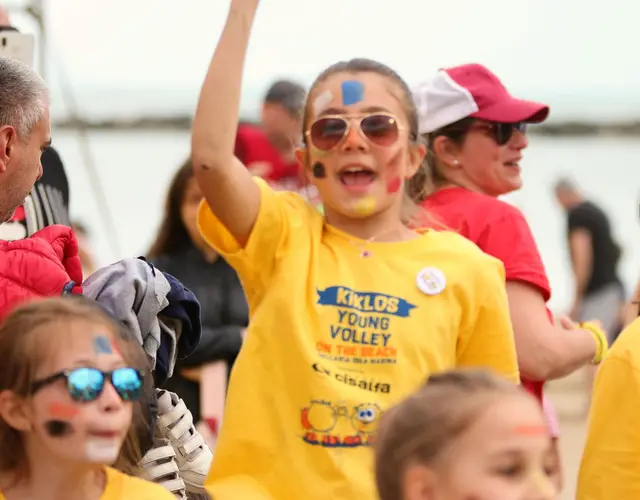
x: 86, y: 384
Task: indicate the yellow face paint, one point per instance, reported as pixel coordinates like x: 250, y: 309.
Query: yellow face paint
x: 366, y: 206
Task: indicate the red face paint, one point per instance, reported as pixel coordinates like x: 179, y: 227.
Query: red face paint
x: 62, y: 411
x: 393, y: 186
x: 532, y: 430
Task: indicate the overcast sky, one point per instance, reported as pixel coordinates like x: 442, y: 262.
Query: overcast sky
x: 541, y: 47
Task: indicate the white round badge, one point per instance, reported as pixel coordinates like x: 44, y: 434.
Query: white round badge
x: 431, y: 281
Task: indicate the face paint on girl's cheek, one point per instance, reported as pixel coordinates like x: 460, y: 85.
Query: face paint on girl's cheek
x: 352, y: 92
x: 60, y: 410
x: 393, y: 185
x: 531, y: 430
x: 322, y: 101
x: 58, y: 428
x: 102, y: 345
x: 366, y: 206
x: 318, y: 170
x: 104, y: 451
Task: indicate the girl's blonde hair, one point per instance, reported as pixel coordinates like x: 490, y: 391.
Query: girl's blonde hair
x: 27, y: 337
x: 422, y: 427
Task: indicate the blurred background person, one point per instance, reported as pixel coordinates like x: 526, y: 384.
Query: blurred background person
x: 599, y: 293
x: 180, y: 250
x: 268, y: 149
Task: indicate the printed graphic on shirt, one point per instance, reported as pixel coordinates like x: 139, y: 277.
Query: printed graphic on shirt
x: 359, y: 380
x: 362, y: 329
x: 339, y: 424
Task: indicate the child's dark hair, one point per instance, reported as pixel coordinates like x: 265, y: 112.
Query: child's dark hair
x: 415, y: 187
x: 423, y: 426
x: 26, y: 339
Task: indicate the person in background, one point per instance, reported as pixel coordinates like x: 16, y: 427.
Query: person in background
x: 466, y: 434
x: 48, y: 201
x: 475, y: 132
x: 180, y: 250
x: 610, y: 467
x: 268, y: 149
x: 599, y: 293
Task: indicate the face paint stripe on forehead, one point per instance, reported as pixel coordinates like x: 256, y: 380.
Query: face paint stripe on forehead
x: 352, y: 92
x: 102, y: 345
x: 322, y: 101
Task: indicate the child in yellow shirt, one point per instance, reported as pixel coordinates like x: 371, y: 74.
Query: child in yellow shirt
x: 350, y: 310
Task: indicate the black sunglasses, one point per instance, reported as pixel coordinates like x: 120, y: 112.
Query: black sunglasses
x: 501, y: 132
x: 86, y: 384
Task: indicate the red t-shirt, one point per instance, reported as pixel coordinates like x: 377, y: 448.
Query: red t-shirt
x: 500, y: 230
x: 253, y: 148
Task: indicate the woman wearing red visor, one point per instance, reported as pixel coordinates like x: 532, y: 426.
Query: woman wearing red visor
x: 475, y: 132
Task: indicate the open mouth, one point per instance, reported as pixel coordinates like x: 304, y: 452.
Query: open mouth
x: 357, y: 176
x: 104, y: 434
x: 512, y: 164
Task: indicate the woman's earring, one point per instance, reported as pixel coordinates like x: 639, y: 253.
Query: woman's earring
x: 456, y: 162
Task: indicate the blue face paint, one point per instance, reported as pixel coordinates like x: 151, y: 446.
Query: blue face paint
x: 102, y: 345
x: 352, y: 92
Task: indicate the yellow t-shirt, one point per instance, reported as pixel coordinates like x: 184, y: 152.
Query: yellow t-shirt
x: 122, y: 487
x: 335, y: 338
x: 610, y: 468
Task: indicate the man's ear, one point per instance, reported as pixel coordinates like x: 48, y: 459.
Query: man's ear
x: 8, y: 137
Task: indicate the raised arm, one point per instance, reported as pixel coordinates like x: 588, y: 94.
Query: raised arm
x: 227, y: 185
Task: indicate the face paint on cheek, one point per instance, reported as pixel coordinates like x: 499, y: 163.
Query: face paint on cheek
x: 102, y: 344
x: 393, y: 185
x: 322, y: 101
x: 58, y: 428
x: 531, y: 430
x: 365, y: 206
x: 62, y: 411
x: 318, y: 170
x: 102, y: 451
x: 352, y: 92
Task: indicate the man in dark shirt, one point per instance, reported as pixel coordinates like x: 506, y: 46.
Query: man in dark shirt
x: 599, y: 293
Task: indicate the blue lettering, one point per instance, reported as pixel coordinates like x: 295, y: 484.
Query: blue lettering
x: 361, y: 337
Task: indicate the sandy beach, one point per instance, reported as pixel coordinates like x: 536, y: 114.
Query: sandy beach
x: 570, y: 398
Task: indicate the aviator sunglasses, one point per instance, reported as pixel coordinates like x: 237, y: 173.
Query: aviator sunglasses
x: 328, y: 132
x: 501, y: 132
x: 86, y: 384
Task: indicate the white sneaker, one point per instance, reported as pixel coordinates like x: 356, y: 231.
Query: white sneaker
x: 159, y: 465
x: 193, y: 456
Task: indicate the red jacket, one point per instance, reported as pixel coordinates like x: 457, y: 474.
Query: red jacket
x: 44, y: 265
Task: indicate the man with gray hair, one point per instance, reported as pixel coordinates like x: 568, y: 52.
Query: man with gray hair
x: 25, y: 132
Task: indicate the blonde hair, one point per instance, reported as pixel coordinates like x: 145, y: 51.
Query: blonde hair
x: 27, y: 337
x: 422, y: 427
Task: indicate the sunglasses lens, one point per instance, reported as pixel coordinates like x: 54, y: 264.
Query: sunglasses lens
x: 380, y: 129
x: 85, y: 384
x: 504, y: 131
x: 128, y: 383
x: 326, y: 133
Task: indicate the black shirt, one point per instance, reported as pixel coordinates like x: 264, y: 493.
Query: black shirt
x: 606, y: 252
x: 224, y: 312
x: 47, y: 204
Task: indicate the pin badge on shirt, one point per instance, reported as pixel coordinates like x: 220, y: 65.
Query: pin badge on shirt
x: 431, y: 281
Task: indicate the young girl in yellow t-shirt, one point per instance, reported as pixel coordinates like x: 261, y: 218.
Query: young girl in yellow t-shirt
x: 351, y: 310
x: 68, y: 383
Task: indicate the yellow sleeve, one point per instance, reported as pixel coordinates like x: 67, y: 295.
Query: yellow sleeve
x: 610, y: 468
x: 486, y: 338
x: 281, y: 215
